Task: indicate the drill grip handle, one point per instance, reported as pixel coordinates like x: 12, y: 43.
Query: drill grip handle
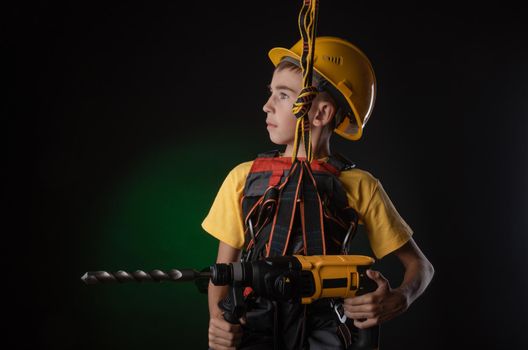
x: 229, y: 314
x: 233, y: 305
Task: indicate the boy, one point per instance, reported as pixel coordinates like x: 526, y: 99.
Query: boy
x: 346, y: 85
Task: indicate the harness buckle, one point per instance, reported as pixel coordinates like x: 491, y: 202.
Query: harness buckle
x: 339, y: 310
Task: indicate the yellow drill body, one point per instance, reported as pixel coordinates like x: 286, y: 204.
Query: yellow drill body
x: 335, y: 276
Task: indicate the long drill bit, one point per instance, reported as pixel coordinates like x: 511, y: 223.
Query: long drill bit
x: 99, y: 277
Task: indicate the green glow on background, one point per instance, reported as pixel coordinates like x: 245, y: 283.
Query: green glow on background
x: 152, y: 219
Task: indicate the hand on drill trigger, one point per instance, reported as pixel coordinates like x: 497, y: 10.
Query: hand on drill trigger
x: 224, y: 335
x: 376, y: 307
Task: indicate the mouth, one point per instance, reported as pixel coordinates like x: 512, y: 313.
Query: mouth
x: 271, y: 125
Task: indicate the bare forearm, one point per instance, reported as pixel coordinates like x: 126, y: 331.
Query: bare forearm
x: 226, y: 254
x: 214, y: 295
x: 418, y: 271
x: 417, y: 277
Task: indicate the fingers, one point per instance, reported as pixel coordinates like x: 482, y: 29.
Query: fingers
x: 224, y: 325
x: 362, y: 314
x: 223, y: 341
x: 225, y: 338
x: 377, y: 277
x: 363, y: 307
x: 368, y: 307
x: 220, y: 347
x: 376, y: 307
x: 213, y: 346
x: 223, y: 335
x: 360, y: 300
x: 374, y: 297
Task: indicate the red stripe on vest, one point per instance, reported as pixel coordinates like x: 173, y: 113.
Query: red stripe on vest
x: 277, y: 166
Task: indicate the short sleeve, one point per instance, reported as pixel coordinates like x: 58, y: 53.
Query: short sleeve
x: 386, y: 229
x: 224, y: 220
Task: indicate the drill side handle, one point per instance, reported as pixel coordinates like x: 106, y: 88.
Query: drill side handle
x: 234, y: 305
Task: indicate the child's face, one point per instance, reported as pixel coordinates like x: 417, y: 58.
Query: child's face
x: 284, y: 89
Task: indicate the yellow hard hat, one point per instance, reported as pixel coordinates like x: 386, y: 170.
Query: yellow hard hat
x: 350, y: 74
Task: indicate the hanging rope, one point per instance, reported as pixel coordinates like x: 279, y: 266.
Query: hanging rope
x: 298, y: 195
x: 307, y: 27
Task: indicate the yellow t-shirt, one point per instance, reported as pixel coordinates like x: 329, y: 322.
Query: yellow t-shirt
x: 387, y: 231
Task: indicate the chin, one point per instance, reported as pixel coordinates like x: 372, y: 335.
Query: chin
x: 277, y: 140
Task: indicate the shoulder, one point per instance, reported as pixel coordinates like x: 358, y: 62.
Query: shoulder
x: 235, y: 180
x: 358, y: 177
x: 239, y: 173
x: 360, y: 186
x: 241, y: 169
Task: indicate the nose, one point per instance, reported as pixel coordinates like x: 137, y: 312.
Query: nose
x: 268, y: 108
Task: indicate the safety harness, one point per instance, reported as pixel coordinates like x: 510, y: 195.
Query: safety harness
x: 288, y: 213
x: 291, y: 209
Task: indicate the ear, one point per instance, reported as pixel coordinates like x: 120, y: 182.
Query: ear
x: 324, y: 114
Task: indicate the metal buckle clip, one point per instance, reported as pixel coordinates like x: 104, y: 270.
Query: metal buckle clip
x: 339, y: 310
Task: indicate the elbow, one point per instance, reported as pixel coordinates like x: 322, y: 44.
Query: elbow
x: 428, y: 268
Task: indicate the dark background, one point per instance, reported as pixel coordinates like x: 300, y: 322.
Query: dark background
x: 123, y: 120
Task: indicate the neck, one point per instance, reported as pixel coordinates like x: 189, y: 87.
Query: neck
x: 320, y: 149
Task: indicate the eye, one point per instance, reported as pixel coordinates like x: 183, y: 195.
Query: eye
x: 283, y: 96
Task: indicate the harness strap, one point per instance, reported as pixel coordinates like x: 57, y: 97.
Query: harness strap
x: 341, y: 162
x: 312, y: 216
x: 285, y: 214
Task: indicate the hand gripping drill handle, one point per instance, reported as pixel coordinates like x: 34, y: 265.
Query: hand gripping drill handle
x: 366, y: 338
x: 234, y: 305
x: 300, y: 279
